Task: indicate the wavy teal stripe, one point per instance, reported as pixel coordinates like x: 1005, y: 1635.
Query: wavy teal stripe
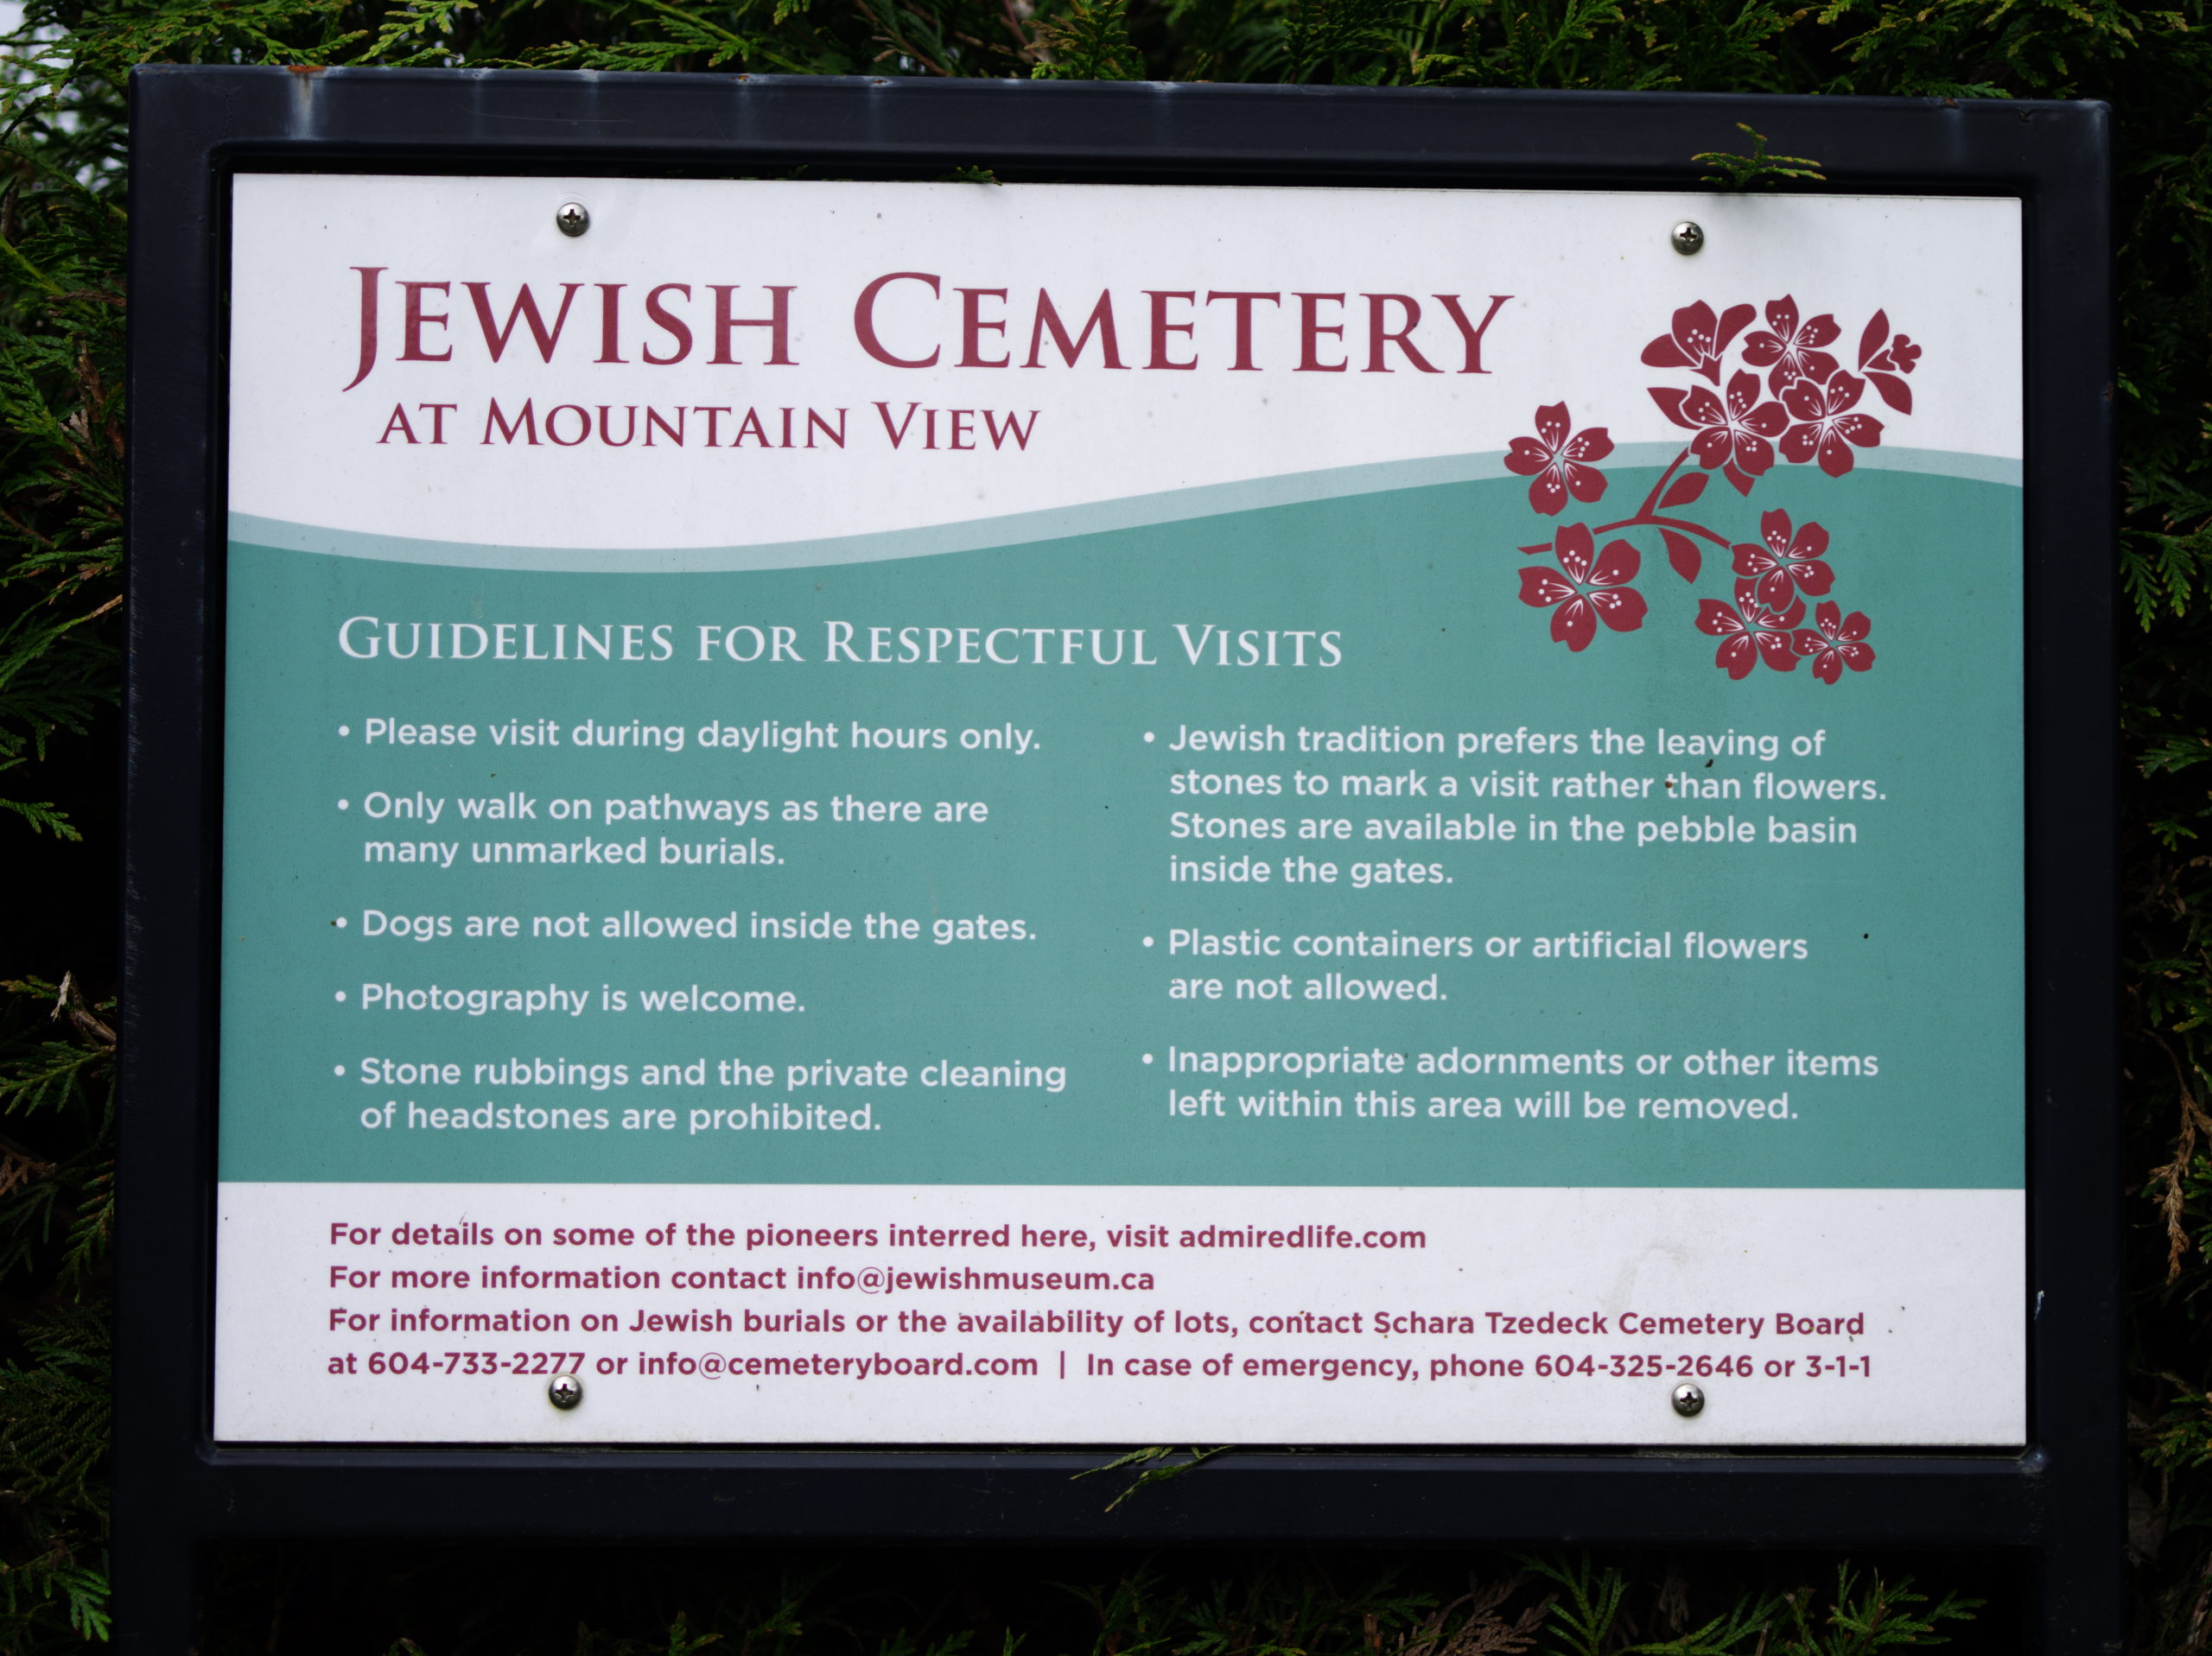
x: 1014, y: 528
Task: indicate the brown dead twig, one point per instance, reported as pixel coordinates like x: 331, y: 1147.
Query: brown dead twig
x: 69, y: 1001
x: 1483, y: 1630
x: 2170, y: 1178
x: 19, y: 1167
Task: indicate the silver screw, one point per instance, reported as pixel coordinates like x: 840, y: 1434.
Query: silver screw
x: 574, y: 219
x: 566, y: 1391
x: 1688, y: 236
x: 1688, y: 1400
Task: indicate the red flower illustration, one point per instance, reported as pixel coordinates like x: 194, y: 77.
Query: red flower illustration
x: 1786, y: 564
x: 1732, y: 437
x: 1788, y: 396
x: 1883, y: 362
x: 1593, y: 588
x: 1791, y: 350
x: 1552, y: 461
x: 1830, y: 427
x: 1835, y: 641
x: 1698, y: 341
x: 1750, y: 631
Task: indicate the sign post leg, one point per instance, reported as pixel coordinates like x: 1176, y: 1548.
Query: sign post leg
x: 2082, y: 1595
x: 157, y: 1597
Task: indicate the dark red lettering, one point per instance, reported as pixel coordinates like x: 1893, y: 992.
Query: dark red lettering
x: 1244, y: 302
x: 864, y: 320
x: 410, y: 340
x: 1161, y: 327
x: 1310, y: 329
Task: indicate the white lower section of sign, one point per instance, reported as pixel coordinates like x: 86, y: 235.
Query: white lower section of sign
x: 1000, y: 1314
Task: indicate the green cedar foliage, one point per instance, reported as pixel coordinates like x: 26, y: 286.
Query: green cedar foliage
x: 1088, y: 42
x: 63, y: 212
x: 942, y: 1604
x: 1758, y: 170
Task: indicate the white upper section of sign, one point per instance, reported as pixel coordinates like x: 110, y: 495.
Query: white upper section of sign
x: 365, y: 310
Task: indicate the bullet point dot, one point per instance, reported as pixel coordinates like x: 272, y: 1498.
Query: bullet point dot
x: 341, y: 995
x: 343, y: 804
x: 345, y: 730
x: 1147, y: 943
x: 339, y: 922
x: 1147, y: 1058
x: 337, y: 1069
x: 1147, y: 735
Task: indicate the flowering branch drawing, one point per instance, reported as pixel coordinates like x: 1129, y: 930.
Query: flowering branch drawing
x: 1791, y: 399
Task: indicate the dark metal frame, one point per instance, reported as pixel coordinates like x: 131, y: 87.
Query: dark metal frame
x: 2060, y: 1501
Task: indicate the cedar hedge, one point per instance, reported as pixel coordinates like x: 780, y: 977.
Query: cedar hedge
x: 64, y: 206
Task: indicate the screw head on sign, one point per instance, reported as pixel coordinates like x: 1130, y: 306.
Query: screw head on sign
x: 1688, y: 1400
x: 1687, y: 236
x: 564, y: 1391
x: 573, y: 217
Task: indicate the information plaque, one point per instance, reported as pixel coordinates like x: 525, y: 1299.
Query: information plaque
x: 947, y: 811
x: 1362, y: 798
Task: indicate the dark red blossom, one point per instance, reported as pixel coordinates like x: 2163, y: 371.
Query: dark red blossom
x: 1882, y: 358
x: 1698, y: 340
x: 1836, y: 641
x: 1829, y: 429
x: 1587, y: 587
x: 1791, y: 349
x: 1750, y: 632
x: 1554, y: 462
x: 1733, y: 436
x: 1789, y: 395
x: 1787, y: 564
